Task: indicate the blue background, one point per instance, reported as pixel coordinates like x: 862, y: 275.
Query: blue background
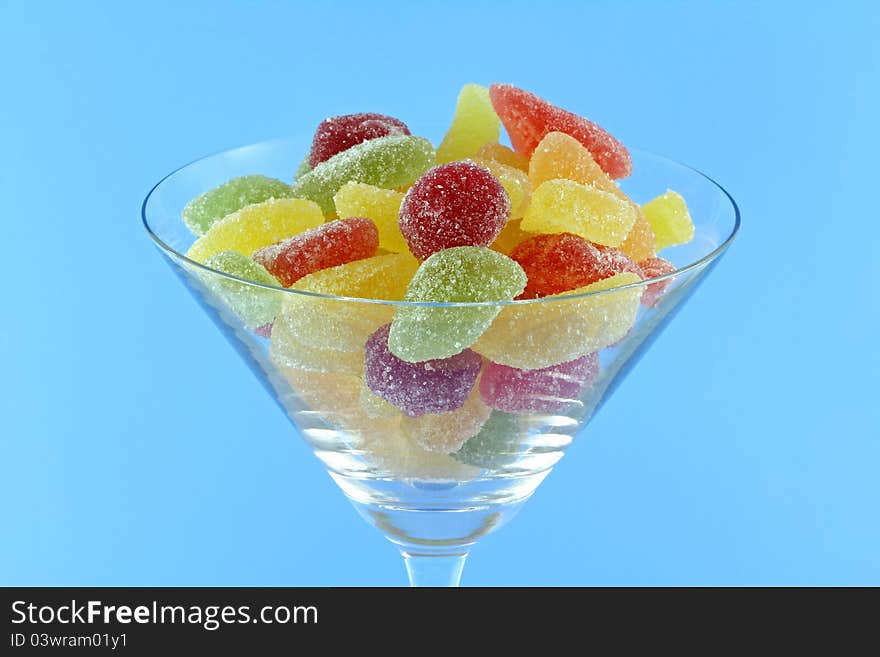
x: 137, y: 449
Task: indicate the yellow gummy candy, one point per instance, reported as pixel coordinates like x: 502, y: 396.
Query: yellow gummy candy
x: 474, y: 124
x: 288, y: 351
x: 376, y: 407
x: 564, y: 206
x: 536, y: 335
x: 509, y: 238
x: 346, y: 325
x: 515, y: 182
x: 500, y: 153
x: 381, y: 205
x: 445, y: 433
x: 640, y: 244
x: 257, y: 225
x: 670, y: 219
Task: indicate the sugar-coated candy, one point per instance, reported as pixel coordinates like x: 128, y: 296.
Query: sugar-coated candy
x: 264, y: 330
x: 374, y: 405
x: 510, y: 236
x: 257, y: 225
x: 557, y: 263
x: 503, y: 155
x: 380, y: 205
x: 445, y: 433
x: 529, y: 118
x: 497, y: 445
x: 398, y: 456
x: 652, y: 268
x: 341, y: 324
x: 303, y: 168
x: 670, y: 219
x: 544, y: 390
x: 339, y: 133
x: 640, y: 244
x: 564, y: 206
x: 434, y: 386
x: 555, y: 330
x: 207, y: 209
x: 515, y: 182
x: 456, y: 204
x: 387, y: 162
x: 460, y: 274
x: 288, y: 350
x: 255, y: 306
x: 474, y: 124
x: 328, y: 245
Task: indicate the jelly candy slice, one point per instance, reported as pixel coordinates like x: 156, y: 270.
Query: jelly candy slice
x: 653, y: 267
x: 564, y: 206
x: 445, y: 433
x: 257, y: 225
x: 255, y: 306
x: 457, y: 204
x: 380, y: 205
x: 328, y: 245
x: 557, y: 329
x: 670, y: 219
x: 387, y: 162
x: 461, y: 274
x: 546, y: 390
x: 557, y: 263
x: 640, y: 244
x: 510, y: 236
x: 339, y: 133
x: 475, y: 123
x: 204, y: 211
x: 528, y: 119
x: 515, y: 182
x: 287, y: 350
x: 345, y: 325
x: 374, y: 405
x: 435, y: 386
x: 503, y: 155
x: 498, y: 444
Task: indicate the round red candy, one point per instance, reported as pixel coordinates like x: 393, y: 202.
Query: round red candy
x: 563, y: 262
x: 339, y: 133
x: 329, y: 245
x: 455, y: 204
x: 653, y: 267
x: 528, y: 119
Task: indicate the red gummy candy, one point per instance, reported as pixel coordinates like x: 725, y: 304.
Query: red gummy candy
x: 653, y: 267
x: 545, y: 390
x: 328, y: 245
x: 339, y: 133
x: 455, y: 204
x: 562, y: 262
x: 265, y: 331
x: 528, y: 119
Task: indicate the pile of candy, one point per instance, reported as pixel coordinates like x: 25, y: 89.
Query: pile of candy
x: 375, y: 212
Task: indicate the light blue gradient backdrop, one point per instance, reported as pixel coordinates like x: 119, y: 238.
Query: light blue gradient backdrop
x: 135, y: 447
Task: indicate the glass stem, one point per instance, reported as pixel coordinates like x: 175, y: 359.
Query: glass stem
x: 428, y: 568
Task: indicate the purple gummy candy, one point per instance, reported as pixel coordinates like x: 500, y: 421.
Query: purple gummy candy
x: 537, y: 391
x: 432, y: 386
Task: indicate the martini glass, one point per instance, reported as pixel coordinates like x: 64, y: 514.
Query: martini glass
x: 434, y: 506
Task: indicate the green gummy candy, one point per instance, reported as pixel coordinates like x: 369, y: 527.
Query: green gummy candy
x: 204, y: 211
x: 498, y: 444
x: 387, y: 162
x: 303, y: 168
x: 459, y: 274
x: 255, y: 306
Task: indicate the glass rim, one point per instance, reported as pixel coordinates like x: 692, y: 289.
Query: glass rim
x: 696, y: 264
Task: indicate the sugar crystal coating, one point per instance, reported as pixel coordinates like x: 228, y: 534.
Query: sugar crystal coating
x: 434, y: 386
x: 653, y: 267
x: 328, y: 245
x: 387, y: 162
x: 381, y: 205
x: 564, y: 206
x: 339, y: 133
x: 498, y: 444
x: 529, y: 118
x: 207, y: 209
x: 303, y: 168
x: 456, y: 204
x: 257, y: 225
x: 288, y: 350
x: 475, y: 123
x: 255, y: 306
x: 536, y: 335
x: 544, y: 390
x: 515, y: 182
x: 445, y: 433
x: 670, y: 219
x: 460, y: 274
x: 503, y: 155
